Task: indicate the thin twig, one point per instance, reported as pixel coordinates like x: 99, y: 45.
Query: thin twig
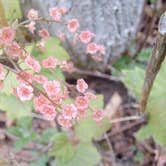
x: 147, y: 32
x: 112, y: 154
x: 123, y: 119
x: 96, y: 74
x: 154, y: 64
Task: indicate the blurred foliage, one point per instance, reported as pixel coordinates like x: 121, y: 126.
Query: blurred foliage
x: 133, y: 79
x: 12, y: 9
x: 10, y: 83
x: 87, y: 128
x: 53, y: 48
x: 14, y: 108
x: 67, y: 153
x: 23, y: 130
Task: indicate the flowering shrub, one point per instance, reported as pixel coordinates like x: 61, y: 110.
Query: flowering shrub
x: 31, y: 78
x: 52, y: 92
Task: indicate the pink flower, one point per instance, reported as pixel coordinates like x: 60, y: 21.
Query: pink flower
x: 81, y: 86
x: 32, y: 15
x: 92, y: 48
x: 82, y: 113
x: 101, y: 49
x: 15, y: 50
x: 67, y: 66
x: 73, y: 25
x: 49, y: 112
x: 24, y: 77
x: 90, y: 96
x: 66, y: 123
x: 57, y: 99
x: 96, y: 58
x: 61, y: 36
x: 86, y: 36
x: 98, y: 115
x: 52, y: 88
x: 2, y: 74
x: 40, y: 101
x: 31, y: 26
x: 62, y: 10
x: 24, y: 92
x: 7, y: 35
x: 50, y: 62
x: 55, y: 13
x: 32, y: 63
x: 81, y: 103
x: 44, y: 33
x: 40, y: 79
x: 41, y: 45
x: 69, y: 111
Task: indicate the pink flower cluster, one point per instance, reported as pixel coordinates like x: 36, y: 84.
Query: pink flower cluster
x: 48, y: 95
x: 56, y: 13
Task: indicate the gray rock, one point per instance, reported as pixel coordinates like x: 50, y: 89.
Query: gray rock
x: 114, y: 22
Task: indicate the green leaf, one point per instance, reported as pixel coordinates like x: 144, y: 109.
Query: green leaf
x: 156, y: 127
x: 56, y: 74
x: 144, y: 54
x: 97, y: 103
x: 139, y: 157
x: 63, y: 150
x: 19, y: 144
x: 122, y: 62
x: 53, y: 48
x: 85, y: 154
x: 10, y: 82
x: 12, y: 9
x: 87, y: 129
x: 133, y: 79
x: 15, y: 131
x: 25, y: 123
x: 14, y: 108
x: 48, y: 134
x: 41, y: 161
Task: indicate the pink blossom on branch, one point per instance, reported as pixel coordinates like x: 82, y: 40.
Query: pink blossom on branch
x: 40, y: 101
x: 52, y: 88
x: 101, y: 49
x: 24, y: 77
x: 81, y: 103
x: 44, y: 34
x: 15, y: 50
x: 7, y: 35
x: 31, y: 26
x: 32, y: 63
x: 40, y: 79
x: 65, y: 123
x: 69, y: 111
x: 81, y: 86
x: 73, y: 25
x: 41, y: 45
x: 33, y: 15
x: 49, y: 112
x: 86, y: 36
x: 50, y: 62
x: 55, y: 13
x: 61, y: 36
x: 90, y: 96
x: 24, y: 92
x: 98, y: 115
x: 92, y: 48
